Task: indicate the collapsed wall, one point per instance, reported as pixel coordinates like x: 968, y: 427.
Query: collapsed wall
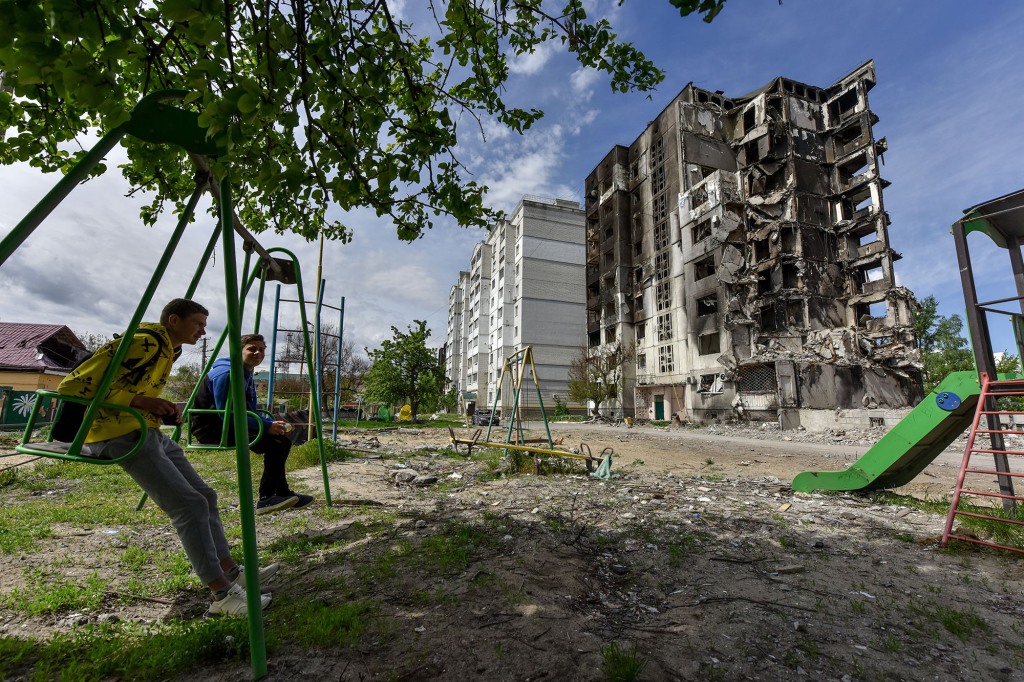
x: 769, y: 284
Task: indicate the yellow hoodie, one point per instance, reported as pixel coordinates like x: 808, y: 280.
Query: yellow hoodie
x: 84, y: 379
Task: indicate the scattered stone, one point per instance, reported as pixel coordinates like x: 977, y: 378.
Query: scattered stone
x: 791, y: 568
x: 424, y: 479
x: 404, y: 475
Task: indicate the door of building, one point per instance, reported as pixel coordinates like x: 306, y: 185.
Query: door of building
x: 659, y: 408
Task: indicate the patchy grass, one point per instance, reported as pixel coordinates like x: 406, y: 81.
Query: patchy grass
x: 95, y: 653
x: 620, y: 664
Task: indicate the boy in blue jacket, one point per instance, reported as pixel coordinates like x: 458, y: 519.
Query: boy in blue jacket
x: 274, y: 445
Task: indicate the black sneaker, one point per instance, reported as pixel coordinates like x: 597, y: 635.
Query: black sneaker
x: 275, y: 503
x: 304, y: 500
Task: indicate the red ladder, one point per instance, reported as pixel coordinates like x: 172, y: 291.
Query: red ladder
x: 975, y: 480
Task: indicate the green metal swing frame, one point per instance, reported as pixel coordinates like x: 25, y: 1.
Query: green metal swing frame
x: 154, y: 120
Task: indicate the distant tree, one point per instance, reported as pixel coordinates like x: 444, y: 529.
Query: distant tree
x: 404, y: 369
x: 182, y: 382
x: 93, y: 341
x: 595, y: 373
x: 943, y: 347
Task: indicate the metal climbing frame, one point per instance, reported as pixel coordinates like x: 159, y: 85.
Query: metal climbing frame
x: 1002, y: 220
x: 155, y: 121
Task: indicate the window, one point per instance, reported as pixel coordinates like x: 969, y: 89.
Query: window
x: 661, y: 265
x: 708, y: 344
x: 641, y: 331
x: 664, y: 327
x: 609, y: 335
x: 663, y: 295
x: 666, y: 363
x: 661, y: 236
x: 641, y: 360
x: 707, y: 305
x: 705, y: 267
x: 709, y: 383
x: 701, y: 231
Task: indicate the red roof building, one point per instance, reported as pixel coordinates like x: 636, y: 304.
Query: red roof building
x: 36, y: 355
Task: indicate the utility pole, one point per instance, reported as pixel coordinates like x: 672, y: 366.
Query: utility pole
x: 204, y: 351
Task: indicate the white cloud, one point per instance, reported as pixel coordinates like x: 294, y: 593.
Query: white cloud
x: 533, y: 62
x: 583, y: 80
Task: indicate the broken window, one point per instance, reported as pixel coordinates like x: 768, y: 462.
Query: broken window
x: 764, y: 282
x: 790, y: 276
x: 752, y: 151
x: 749, y: 119
x: 843, y: 104
x: 609, y: 335
x: 705, y: 267
x: 661, y: 236
x: 789, y: 240
x: 660, y: 207
x: 638, y: 303
x: 641, y: 331
x: 657, y: 149
x: 708, y: 305
x: 708, y: 344
x: 767, y: 319
x: 662, y: 265
x: 762, y: 250
x: 848, y: 139
x: 594, y: 339
x: 709, y: 384
x: 794, y: 313
x: 663, y: 296
x: 641, y: 360
x: 701, y: 231
x: 658, y: 180
x: 664, y: 327
x: 666, y: 363
x: 850, y: 170
x: 698, y: 196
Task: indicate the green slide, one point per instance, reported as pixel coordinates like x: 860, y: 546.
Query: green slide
x: 911, y: 445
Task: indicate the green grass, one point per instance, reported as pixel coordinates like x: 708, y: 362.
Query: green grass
x: 47, y: 593
x: 94, y: 653
x: 1000, y: 532
x: 453, y: 548
x: 620, y: 664
x: 323, y: 625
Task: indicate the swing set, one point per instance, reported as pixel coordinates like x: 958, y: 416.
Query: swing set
x: 514, y: 370
x: 156, y: 121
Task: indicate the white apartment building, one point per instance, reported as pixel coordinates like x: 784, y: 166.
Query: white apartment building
x: 530, y: 292
x: 457, y: 337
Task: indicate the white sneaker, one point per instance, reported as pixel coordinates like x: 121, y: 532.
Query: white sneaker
x: 234, y: 603
x: 266, y: 573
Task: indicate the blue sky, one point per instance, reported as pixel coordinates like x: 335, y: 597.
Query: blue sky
x: 949, y: 95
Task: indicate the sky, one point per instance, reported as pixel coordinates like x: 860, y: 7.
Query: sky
x: 949, y: 95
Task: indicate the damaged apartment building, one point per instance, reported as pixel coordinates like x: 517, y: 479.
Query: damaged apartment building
x: 742, y: 244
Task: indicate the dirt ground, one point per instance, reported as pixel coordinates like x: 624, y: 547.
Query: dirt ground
x: 697, y: 552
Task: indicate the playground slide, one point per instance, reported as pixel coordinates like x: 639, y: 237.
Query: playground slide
x: 912, y: 444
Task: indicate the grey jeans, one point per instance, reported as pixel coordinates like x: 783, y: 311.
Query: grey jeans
x: 162, y: 470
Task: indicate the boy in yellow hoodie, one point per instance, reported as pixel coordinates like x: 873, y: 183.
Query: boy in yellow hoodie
x: 160, y: 467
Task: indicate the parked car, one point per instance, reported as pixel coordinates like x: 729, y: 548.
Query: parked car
x: 485, y: 417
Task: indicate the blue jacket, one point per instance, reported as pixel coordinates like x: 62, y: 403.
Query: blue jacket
x: 220, y: 384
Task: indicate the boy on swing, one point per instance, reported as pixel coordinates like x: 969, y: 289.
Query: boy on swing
x: 273, y: 444
x: 160, y: 467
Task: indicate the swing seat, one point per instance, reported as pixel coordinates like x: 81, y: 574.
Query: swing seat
x: 223, y: 445
x: 71, y: 452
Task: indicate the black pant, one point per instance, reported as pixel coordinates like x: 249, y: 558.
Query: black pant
x: 275, y: 453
